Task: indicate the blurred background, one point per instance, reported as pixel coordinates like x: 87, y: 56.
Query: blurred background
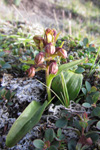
x: 79, y: 18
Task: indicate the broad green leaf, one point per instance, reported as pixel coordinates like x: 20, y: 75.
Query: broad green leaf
x: 6, y: 66
x: 96, y: 96
x: 86, y: 105
x: 88, y: 86
x: 92, y: 49
x: 49, y: 135
x: 60, y: 123
x: 73, y: 82
x: 85, y: 41
x: 93, y: 89
x: 63, y: 67
x: 38, y: 143
x: 59, y: 132
x: 93, y: 135
x: 79, y: 70
x: 98, y: 125
x: 65, y: 96
x: 96, y: 112
x: 91, y: 122
x: 29, y: 118
x: 84, y: 91
x: 8, y: 95
x: 72, y: 144
x: 10, y: 103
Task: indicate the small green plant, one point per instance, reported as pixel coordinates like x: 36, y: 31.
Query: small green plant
x: 47, y: 59
x: 91, y: 94
x: 3, y: 64
x: 6, y: 95
x: 51, y: 140
x: 81, y: 126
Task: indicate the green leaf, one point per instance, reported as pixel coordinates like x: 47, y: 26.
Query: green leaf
x: 27, y: 61
x: 8, y: 95
x: 93, y: 135
x: 86, y: 105
x: 83, y: 124
x: 88, y: 86
x: 10, y: 103
x: 29, y: 118
x: 93, y: 89
x: 72, y: 144
x: 6, y: 66
x: 49, y: 135
x: 60, y: 123
x: 2, y: 62
x: 38, y: 143
x: 96, y: 112
x: 77, y: 125
x: 85, y: 41
x: 53, y: 148
x: 55, y: 143
x: 59, y: 132
x: 96, y: 96
x: 91, y: 122
x: 79, y: 70
x: 84, y: 91
x: 98, y: 125
x: 65, y: 96
x: 73, y: 82
x: 92, y: 49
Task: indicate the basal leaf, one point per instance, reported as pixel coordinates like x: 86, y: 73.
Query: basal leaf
x: 29, y: 118
x: 73, y: 82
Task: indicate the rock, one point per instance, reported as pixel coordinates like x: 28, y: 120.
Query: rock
x: 27, y: 89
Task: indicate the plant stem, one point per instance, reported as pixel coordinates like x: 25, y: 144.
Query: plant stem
x: 47, y: 83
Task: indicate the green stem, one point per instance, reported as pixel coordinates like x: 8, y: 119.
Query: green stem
x: 48, y: 84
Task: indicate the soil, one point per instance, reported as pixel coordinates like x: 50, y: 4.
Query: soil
x: 41, y: 12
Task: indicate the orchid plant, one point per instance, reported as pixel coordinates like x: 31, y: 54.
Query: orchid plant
x: 47, y: 59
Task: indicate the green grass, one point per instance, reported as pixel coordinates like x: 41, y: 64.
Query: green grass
x: 85, y: 19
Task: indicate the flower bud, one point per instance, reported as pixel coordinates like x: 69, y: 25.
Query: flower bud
x: 50, y: 48
x: 39, y: 41
x: 53, y: 67
x: 31, y: 72
x: 50, y: 35
x: 89, y: 141
x: 39, y: 59
x: 61, y: 52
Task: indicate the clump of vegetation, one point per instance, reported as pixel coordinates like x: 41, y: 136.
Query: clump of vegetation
x: 44, y: 60
x: 68, y: 77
